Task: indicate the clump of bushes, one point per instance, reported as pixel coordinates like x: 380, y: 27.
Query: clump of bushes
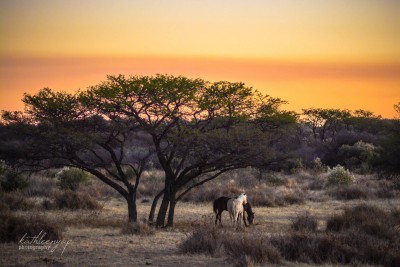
x: 243, y: 249
x: 71, y: 178
x: 339, y: 176
x: 359, y: 157
x: 349, y: 192
x: 363, y: 234
x: 73, y: 200
x: 13, y: 228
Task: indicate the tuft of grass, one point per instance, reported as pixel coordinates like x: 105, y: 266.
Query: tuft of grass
x: 139, y: 228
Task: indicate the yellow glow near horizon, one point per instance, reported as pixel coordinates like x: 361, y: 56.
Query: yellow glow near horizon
x: 310, y: 52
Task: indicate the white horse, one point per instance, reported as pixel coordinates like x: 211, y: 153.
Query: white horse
x: 235, y: 208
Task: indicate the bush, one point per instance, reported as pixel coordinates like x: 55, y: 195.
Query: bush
x: 274, y: 180
x: 359, y: 156
x: 339, y: 176
x: 251, y: 248
x: 244, y: 249
x: 72, y: 200
x: 13, y: 228
x: 71, y: 178
x: 205, y: 238
x: 317, y: 166
x: 17, y: 201
x: 305, y: 223
x: 13, y: 181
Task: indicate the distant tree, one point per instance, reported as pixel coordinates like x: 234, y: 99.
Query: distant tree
x: 324, y: 123
x: 397, y: 109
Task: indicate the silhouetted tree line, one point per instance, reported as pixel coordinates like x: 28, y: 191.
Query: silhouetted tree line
x: 192, y: 129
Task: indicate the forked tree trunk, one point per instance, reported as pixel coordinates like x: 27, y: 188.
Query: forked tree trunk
x: 171, y: 212
x: 162, y: 212
x: 154, y: 206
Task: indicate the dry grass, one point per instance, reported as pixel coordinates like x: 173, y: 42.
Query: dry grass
x: 139, y: 228
x: 97, y: 238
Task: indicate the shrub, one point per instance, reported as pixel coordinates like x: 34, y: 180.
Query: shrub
x: 14, y: 181
x: 72, y: 200
x: 349, y: 192
x: 358, y: 156
x: 317, y: 166
x: 71, y: 178
x: 139, y: 228
x: 339, y: 176
x: 296, y: 197
x: 13, y: 228
x: 251, y: 248
x: 204, y: 238
x: 17, y: 201
x: 274, y: 180
x: 313, y: 248
x: 305, y: 223
x: 363, y: 217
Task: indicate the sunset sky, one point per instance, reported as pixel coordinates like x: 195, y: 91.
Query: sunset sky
x: 315, y: 53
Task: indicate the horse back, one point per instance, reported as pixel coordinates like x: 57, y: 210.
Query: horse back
x: 221, y: 204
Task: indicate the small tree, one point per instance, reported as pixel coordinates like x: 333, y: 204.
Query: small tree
x: 339, y: 176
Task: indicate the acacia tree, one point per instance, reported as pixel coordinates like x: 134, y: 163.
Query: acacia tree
x: 58, y: 130
x: 199, y: 129
x: 324, y: 123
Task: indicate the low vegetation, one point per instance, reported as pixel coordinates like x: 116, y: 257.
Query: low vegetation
x: 13, y: 228
x: 363, y: 234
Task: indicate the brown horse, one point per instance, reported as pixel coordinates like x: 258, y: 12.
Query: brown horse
x: 221, y: 204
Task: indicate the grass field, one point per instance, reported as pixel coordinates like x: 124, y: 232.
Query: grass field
x: 96, y: 238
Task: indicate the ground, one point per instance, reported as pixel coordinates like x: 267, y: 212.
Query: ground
x: 95, y: 244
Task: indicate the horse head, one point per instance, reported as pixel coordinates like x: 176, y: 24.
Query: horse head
x: 250, y: 217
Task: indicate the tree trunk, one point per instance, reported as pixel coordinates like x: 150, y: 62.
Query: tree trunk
x: 171, y: 212
x: 162, y: 212
x: 132, y: 210
x: 154, y: 206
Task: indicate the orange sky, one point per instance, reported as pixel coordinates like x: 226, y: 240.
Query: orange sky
x: 315, y: 53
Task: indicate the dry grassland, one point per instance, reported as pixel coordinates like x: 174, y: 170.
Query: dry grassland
x: 96, y: 238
